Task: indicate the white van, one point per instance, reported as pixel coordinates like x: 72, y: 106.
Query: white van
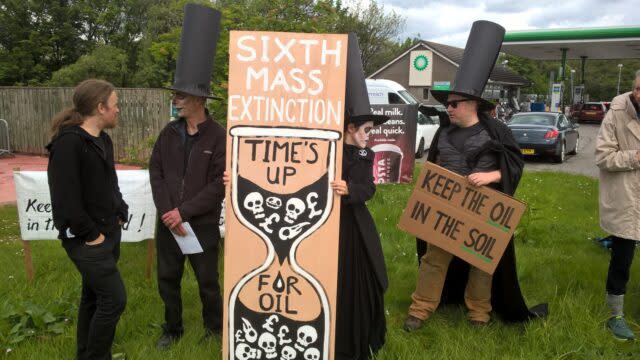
x: 384, y: 92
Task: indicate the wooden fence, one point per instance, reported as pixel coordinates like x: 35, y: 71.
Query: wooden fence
x: 28, y: 110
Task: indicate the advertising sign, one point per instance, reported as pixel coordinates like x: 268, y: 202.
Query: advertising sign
x: 420, y: 68
x: 556, y: 95
x: 394, y: 143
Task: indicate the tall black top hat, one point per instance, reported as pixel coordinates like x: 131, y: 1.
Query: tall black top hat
x: 357, y: 107
x: 480, y: 54
x: 200, y: 31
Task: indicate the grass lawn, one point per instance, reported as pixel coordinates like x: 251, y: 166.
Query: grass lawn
x: 557, y: 263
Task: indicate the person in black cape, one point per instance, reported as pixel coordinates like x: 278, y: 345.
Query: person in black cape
x: 501, y: 153
x: 362, y: 276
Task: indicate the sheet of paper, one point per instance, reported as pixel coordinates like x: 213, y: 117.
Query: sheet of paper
x: 188, y: 244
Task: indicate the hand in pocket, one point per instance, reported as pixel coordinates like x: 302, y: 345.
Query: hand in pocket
x: 97, y: 241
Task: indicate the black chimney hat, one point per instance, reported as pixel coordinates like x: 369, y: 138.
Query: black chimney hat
x: 357, y: 107
x: 200, y: 31
x: 480, y: 55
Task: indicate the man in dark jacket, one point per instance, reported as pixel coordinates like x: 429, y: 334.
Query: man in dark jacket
x: 186, y: 171
x: 88, y: 209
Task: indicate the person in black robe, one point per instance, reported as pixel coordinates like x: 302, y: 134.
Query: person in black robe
x: 480, y: 55
x: 506, y: 298
x: 362, y: 275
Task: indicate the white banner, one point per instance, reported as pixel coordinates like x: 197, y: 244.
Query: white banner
x: 420, y: 68
x: 34, y: 205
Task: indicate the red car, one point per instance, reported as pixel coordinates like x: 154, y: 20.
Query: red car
x: 591, y: 111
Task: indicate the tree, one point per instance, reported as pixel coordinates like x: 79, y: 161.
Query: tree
x: 104, y: 62
x: 376, y: 32
x: 159, y: 44
x: 43, y: 40
x: 120, y: 23
x: 38, y: 37
x: 601, y: 76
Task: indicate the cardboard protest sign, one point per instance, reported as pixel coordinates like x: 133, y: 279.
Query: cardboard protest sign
x: 34, y: 205
x: 472, y: 223
x: 393, y: 142
x: 285, y: 121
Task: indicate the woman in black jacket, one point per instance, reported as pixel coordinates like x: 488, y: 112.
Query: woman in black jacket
x: 88, y: 210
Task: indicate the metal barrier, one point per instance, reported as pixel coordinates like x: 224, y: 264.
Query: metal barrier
x: 5, y: 145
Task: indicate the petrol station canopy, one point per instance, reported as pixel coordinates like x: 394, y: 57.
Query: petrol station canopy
x: 578, y: 43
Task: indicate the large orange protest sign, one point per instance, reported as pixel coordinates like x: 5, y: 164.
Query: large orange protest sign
x: 472, y: 223
x: 285, y: 120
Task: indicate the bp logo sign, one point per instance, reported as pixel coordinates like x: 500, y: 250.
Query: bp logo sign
x: 421, y: 62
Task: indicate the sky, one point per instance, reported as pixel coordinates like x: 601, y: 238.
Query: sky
x: 448, y: 22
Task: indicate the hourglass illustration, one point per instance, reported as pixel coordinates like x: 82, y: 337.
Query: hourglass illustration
x: 279, y: 310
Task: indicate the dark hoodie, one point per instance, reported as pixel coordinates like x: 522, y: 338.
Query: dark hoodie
x: 85, y: 196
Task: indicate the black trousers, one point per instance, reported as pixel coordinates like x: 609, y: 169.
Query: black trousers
x: 622, y: 251
x: 103, y: 296
x: 205, y: 266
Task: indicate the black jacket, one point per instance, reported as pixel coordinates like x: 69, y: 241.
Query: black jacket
x: 358, y: 173
x: 85, y: 196
x: 506, y: 296
x: 198, y: 191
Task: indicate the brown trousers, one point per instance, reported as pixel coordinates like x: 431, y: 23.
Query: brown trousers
x: 431, y: 276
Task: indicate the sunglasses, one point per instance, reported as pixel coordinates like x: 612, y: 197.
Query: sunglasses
x: 454, y: 103
x: 178, y: 95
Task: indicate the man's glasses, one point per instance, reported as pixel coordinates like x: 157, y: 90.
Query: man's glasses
x: 454, y: 103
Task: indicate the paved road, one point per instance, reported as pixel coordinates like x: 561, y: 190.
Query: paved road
x: 582, y: 163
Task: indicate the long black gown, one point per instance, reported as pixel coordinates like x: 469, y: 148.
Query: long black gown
x: 362, y: 276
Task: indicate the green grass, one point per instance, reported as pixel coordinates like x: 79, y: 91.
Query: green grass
x: 557, y: 263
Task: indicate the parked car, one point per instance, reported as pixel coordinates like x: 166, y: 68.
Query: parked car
x: 545, y: 134
x: 384, y: 92
x: 590, y: 111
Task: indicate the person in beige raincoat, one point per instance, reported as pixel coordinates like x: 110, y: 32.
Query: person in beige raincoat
x: 618, y: 157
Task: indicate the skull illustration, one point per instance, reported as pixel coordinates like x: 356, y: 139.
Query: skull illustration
x: 253, y: 202
x: 268, y: 343
x: 274, y: 202
x: 249, y: 332
x: 246, y: 352
x: 295, y: 207
x: 289, y: 232
x: 288, y: 353
x: 307, y: 335
x: 312, y: 354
